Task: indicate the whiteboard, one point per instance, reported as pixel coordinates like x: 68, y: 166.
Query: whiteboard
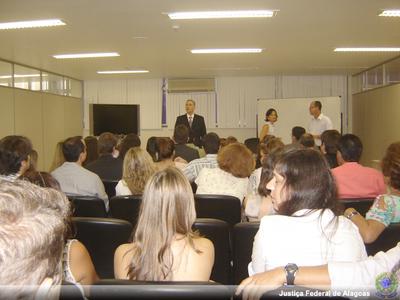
x: 295, y: 112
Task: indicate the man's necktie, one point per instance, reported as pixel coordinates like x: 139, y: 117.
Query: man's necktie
x: 190, y: 121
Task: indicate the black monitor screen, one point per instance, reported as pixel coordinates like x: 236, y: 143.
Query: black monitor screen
x: 115, y: 118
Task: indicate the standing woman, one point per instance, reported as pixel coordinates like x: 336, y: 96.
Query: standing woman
x: 174, y: 252
x: 271, y: 116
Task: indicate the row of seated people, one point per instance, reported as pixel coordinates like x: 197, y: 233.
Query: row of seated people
x: 310, y: 196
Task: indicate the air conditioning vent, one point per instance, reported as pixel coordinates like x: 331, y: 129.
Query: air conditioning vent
x: 191, y: 85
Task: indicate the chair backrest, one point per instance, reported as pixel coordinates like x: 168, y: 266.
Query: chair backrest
x: 252, y: 144
x: 131, y: 289
x: 219, y: 233
x: 362, y: 205
x: 386, y: 240
x: 101, y: 237
x: 88, y: 206
x: 109, y: 186
x: 221, y: 207
x: 126, y: 208
x: 243, y: 237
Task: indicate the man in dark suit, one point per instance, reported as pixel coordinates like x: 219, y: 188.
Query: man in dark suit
x: 195, y: 123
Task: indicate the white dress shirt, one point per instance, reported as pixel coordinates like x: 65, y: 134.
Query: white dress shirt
x: 318, y: 125
x: 300, y: 240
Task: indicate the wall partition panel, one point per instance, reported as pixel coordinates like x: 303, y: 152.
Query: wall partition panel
x: 29, y: 119
x: 73, y: 116
x: 6, y: 111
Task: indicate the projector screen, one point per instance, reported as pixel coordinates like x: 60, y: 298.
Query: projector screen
x: 115, y: 118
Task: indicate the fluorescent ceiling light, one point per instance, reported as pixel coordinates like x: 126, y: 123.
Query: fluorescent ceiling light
x: 20, y: 76
x: 86, y: 55
x: 221, y: 14
x: 31, y: 24
x: 123, y: 72
x: 366, y: 49
x: 390, y: 13
x: 237, y: 50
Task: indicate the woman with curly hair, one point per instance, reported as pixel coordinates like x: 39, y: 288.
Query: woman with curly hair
x: 137, y: 168
x: 386, y: 208
x: 174, y: 252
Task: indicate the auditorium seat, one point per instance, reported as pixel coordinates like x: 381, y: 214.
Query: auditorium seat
x: 386, y: 240
x: 131, y: 289
x: 221, y: 207
x: 88, y: 206
x: 252, y: 144
x: 101, y: 237
x: 218, y: 232
x: 126, y: 208
x: 109, y: 186
x: 243, y: 237
x: 362, y: 205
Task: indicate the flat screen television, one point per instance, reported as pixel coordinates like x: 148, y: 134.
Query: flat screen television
x: 115, y: 118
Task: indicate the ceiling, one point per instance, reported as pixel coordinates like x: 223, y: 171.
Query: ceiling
x: 299, y: 40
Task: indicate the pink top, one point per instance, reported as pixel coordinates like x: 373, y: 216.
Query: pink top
x: 355, y: 181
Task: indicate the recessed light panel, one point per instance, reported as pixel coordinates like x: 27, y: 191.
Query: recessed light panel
x: 221, y: 14
x: 232, y: 50
x: 123, y: 72
x: 86, y: 55
x: 31, y: 24
x: 368, y: 49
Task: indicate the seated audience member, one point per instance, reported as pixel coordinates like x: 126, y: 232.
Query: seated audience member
x: 329, y: 142
x: 235, y: 164
x: 386, y: 208
x: 33, y: 161
x: 226, y: 141
x: 32, y: 230
x: 151, y: 148
x: 253, y: 198
x: 211, y: 147
x: 165, y: 151
x: 58, y: 158
x: 137, y: 169
x: 307, y: 141
x: 75, y: 179
x: 78, y: 267
x: 338, y: 276
x: 107, y: 166
x: 303, y: 194
x: 181, y: 137
x: 174, y: 252
x: 92, y: 150
x: 354, y: 180
x: 15, y: 151
x: 131, y: 140
x: 297, y: 132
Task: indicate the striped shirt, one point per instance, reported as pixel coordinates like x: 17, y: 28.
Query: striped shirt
x: 194, y: 167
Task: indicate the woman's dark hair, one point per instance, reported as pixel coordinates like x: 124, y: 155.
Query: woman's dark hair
x: 269, y: 112
x: 330, y: 139
x: 13, y: 150
x: 267, y: 170
x: 165, y: 148
x: 309, y: 183
x: 151, y: 148
x: 92, y: 152
x: 131, y: 140
x: 43, y: 179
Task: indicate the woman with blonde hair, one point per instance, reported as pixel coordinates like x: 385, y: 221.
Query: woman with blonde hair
x: 174, y: 252
x: 58, y: 158
x: 137, y: 168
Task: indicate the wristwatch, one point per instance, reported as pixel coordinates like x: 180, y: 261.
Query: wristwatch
x: 352, y: 214
x: 291, y: 270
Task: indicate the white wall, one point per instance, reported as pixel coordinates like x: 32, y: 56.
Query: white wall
x: 231, y: 110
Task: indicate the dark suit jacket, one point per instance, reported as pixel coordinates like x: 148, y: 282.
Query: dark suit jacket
x: 107, y: 167
x: 197, y: 131
x: 186, y: 152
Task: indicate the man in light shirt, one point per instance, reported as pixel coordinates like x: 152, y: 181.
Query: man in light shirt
x: 195, y: 123
x: 319, y: 123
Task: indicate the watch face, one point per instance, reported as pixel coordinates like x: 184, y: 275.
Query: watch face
x: 291, y: 268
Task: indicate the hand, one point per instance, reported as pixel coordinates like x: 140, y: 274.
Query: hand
x: 255, y: 286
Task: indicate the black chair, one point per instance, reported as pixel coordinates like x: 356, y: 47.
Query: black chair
x: 252, y: 144
x: 109, y: 186
x: 130, y: 289
x: 102, y: 237
x: 386, y: 240
x: 88, y: 206
x: 243, y: 237
x: 362, y: 205
x: 218, y: 232
x: 126, y: 208
x: 221, y: 207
